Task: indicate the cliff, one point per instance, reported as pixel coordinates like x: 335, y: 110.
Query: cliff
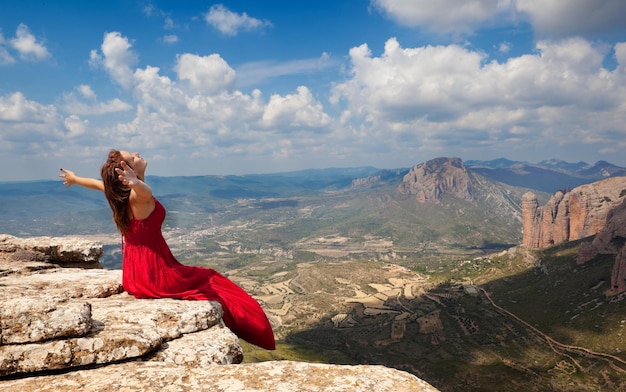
x: 572, y: 215
x: 64, y: 328
x: 611, y: 240
x: 430, y: 180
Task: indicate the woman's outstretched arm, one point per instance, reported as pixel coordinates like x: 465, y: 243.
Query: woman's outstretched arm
x: 69, y: 179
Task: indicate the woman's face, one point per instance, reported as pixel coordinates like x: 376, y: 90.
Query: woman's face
x: 135, y: 161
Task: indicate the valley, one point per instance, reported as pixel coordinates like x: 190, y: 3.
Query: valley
x: 486, y: 328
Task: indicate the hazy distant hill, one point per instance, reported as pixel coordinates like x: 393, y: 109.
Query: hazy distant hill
x: 547, y: 176
x: 49, y: 208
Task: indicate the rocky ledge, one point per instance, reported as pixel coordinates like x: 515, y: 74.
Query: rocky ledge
x: 67, y: 328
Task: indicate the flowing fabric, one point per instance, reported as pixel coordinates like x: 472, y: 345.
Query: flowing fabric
x: 150, y: 270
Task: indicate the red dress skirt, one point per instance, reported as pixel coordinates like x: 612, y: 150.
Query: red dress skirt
x: 150, y: 270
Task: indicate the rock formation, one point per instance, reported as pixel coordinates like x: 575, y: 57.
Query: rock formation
x: 430, y: 180
x: 366, y: 181
x: 81, y: 322
x: 610, y: 240
x: 66, y: 252
x: 572, y: 215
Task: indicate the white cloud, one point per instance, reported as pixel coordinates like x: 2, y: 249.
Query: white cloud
x: 116, y: 58
x: 549, y: 18
x: 428, y: 100
x: 442, y: 16
x: 75, y: 126
x: 574, y: 17
x: 432, y: 99
x: 74, y: 105
x: 230, y: 23
x: 95, y: 59
x: 209, y: 74
x: 27, y: 46
x: 85, y: 102
x: 16, y: 108
x: 297, y: 111
x: 201, y: 112
x: 256, y: 72
x: 431, y: 81
x: 445, y: 95
x: 86, y: 92
x: 29, y: 126
x: 5, y: 56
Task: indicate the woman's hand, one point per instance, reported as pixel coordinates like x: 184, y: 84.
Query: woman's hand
x: 69, y: 179
x: 68, y: 176
x: 140, y: 194
x: 127, y: 175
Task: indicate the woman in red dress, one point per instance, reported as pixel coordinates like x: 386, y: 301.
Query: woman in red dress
x: 149, y: 269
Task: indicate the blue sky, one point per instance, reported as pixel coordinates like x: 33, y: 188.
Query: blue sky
x: 241, y: 87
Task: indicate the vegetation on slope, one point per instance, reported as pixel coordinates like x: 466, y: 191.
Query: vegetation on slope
x: 531, y: 325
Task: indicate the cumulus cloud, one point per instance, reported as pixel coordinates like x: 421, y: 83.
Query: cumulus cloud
x: 28, y: 124
x: 298, y: 111
x: 85, y: 102
x: 16, y: 108
x: 75, y: 126
x: 432, y: 99
x: 230, y: 23
x: 436, y: 94
x: 116, y: 58
x: 27, y: 45
x: 209, y: 74
x: 199, y: 110
x: 427, y: 99
x: 86, y: 91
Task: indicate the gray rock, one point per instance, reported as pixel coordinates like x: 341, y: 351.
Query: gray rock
x: 275, y: 376
x: 69, y: 251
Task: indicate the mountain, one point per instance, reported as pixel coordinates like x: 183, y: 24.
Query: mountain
x: 546, y: 176
x: 429, y: 181
x: 531, y: 177
x: 558, y: 164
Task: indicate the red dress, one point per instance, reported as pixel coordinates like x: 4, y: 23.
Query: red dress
x: 150, y: 270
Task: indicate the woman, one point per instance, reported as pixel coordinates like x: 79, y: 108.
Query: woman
x: 149, y: 268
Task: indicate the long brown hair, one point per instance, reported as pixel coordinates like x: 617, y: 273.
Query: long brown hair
x: 116, y: 192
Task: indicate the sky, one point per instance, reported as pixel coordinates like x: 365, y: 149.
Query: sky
x: 265, y: 86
